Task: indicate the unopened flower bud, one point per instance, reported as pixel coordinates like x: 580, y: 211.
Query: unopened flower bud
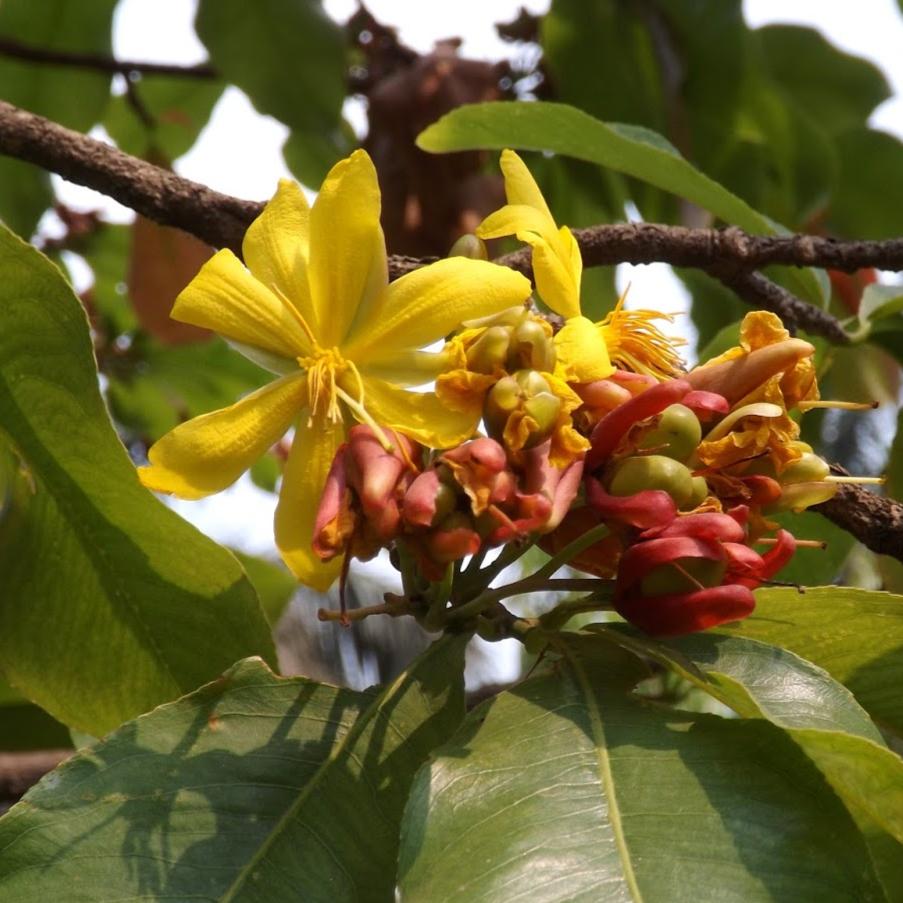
x: 453, y: 538
x: 806, y: 469
x: 527, y: 397
x: 490, y: 351
x: 799, y: 496
x: 468, y: 245
x: 633, y: 475
x: 532, y: 347
x: 677, y: 433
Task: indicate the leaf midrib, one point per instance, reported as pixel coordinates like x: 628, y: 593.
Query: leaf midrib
x: 606, y: 777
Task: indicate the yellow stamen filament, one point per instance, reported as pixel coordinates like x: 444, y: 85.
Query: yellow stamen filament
x: 864, y: 481
x: 361, y: 413
x: 838, y: 405
x: 635, y: 344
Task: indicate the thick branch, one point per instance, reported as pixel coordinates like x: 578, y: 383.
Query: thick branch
x: 218, y: 219
x: 98, y: 62
x: 877, y: 522
x: 705, y: 248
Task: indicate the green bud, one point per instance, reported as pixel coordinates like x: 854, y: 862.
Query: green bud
x: 799, y: 496
x: 807, y: 469
x: 527, y: 391
x: 469, y: 245
x: 531, y: 347
x: 676, y: 435
x: 490, y: 350
x: 635, y: 474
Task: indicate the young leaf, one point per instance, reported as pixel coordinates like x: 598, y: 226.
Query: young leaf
x: 566, y: 789
x: 628, y: 149
x: 111, y: 603
x: 253, y: 788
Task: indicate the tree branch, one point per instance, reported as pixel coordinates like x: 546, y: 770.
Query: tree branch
x: 876, y: 521
x: 100, y: 63
x: 729, y: 254
x: 160, y: 195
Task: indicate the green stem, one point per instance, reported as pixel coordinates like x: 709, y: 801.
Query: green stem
x: 572, y: 550
x: 530, y: 584
x: 564, y: 611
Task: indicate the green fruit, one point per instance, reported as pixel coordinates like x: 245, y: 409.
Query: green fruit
x: 690, y: 574
x: 700, y: 492
x: 635, y: 474
x: 677, y: 433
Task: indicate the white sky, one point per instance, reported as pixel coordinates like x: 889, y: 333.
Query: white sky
x: 239, y: 151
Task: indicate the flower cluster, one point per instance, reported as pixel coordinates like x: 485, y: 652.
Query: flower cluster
x: 588, y: 438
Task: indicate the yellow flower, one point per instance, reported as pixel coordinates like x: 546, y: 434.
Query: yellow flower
x: 314, y: 304
x: 586, y: 350
x: 557, y: 269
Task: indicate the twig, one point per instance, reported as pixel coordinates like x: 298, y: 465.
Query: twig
x: 99, y: 62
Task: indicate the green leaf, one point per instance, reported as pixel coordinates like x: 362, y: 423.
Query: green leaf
x: 111, y: 603
x: 252, y: 788
x: 878, y: 302
x: 106, y: 251
x: 162, y: 385
x: 566, y: 789
x: 868, y: 200
x: 820, y: 715
x: 288, y: 56
x: 602, y: 59
x: 628, y: 149
x: 274, y: 584
x: 838, y: 89
x: 24, y: 727
x: 72, y: 97
x: 815, y: 567
x: 855, y: 635
x: 179, y: 107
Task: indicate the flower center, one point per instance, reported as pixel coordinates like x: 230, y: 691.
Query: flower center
x: 324, y: 368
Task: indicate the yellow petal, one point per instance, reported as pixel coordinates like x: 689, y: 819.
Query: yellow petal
x: 520, y: 186
x: 557, y: 265
x: 427, y: 304
x: 206, y: 454
x: 582, y: 354
x: 420, y: 415
x: 348, y: 267
x: 275, y: 247
x: 226, y: 298
x: 553, y: 273
x: 527, y: 223
x: 308, y: 463
x: 408, y: 367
